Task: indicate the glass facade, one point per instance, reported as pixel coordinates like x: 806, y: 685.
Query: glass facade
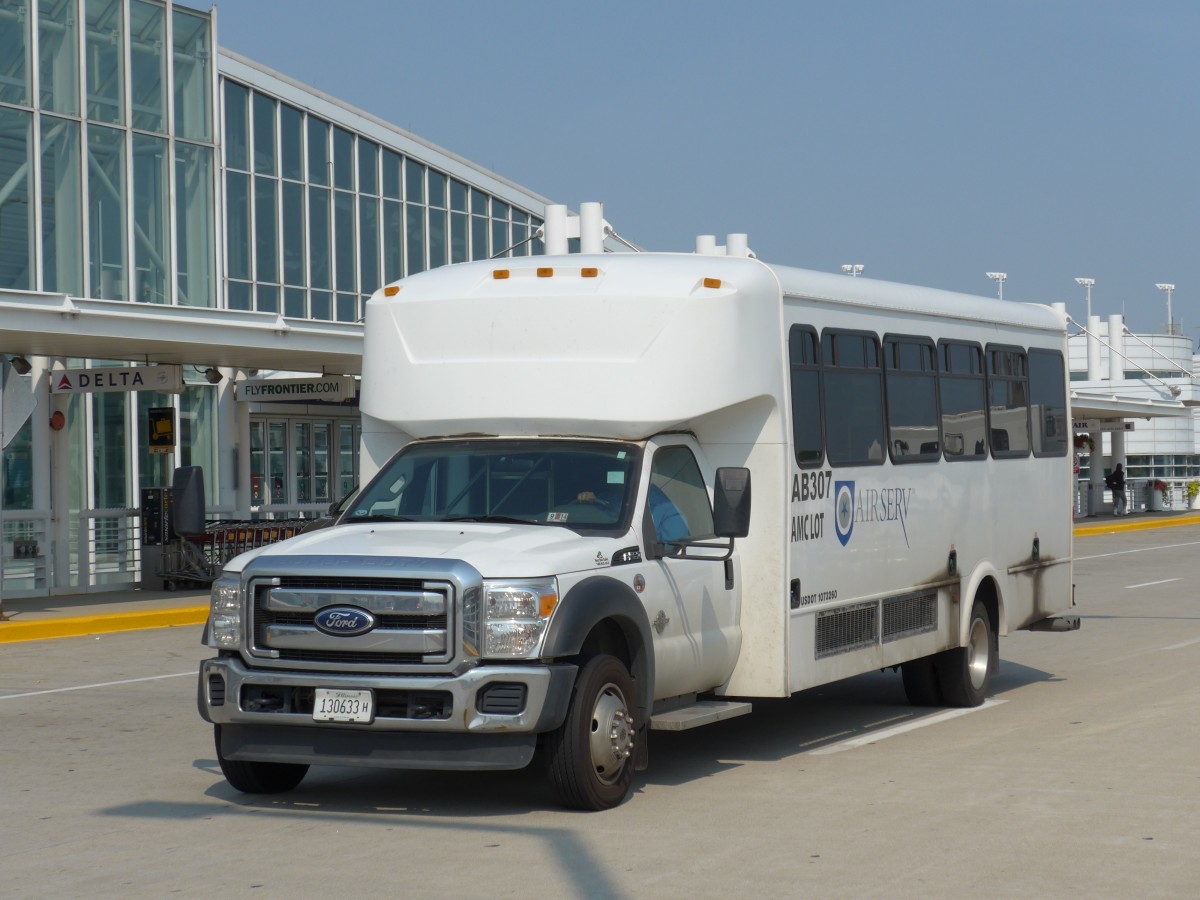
x: 318, y: 216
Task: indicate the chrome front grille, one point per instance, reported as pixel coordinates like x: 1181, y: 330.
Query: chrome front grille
x: 414, y: 621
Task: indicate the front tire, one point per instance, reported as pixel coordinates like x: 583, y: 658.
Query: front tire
x: 591, y: 756
x: 965, y: 673
x: 252, y: 777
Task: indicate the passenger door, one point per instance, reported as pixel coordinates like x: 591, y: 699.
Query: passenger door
x: 693, y: 617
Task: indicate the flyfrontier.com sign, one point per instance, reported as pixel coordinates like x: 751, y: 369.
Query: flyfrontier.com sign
x: 297, y: 390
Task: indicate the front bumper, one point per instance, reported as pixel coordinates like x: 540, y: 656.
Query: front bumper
x: 483, y: 700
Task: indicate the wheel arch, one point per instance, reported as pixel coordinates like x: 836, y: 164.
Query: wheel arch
x: 603, y: 615
x: 984, y: 585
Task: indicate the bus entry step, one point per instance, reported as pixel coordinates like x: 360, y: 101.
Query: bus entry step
x: 702, y: 712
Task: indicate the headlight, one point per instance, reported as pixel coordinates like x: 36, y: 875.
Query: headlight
x: 225, y: 614
x: 515, y: 616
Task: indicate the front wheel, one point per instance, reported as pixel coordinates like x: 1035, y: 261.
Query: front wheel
x: 252, y: 777
x: 965, y: 673
x: 591, y: 756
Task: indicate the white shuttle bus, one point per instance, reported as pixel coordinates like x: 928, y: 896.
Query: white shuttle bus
x: 615, y: 492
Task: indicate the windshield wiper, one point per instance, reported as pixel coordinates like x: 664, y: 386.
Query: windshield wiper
x: 504, y: 520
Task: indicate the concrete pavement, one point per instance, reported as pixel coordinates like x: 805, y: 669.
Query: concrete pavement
x: 75, y: 615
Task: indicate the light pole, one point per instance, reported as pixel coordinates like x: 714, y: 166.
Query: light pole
x: 1168, y: 288
x: 1087, y: 283
x: 999, y: 278
x: 853, y: 270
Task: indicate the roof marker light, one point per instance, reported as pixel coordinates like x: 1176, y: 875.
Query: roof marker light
x: 391, y: 290
x: 712, y: 282
x: 545, y: 272
x: 500, y: 274
x: 588, y: 273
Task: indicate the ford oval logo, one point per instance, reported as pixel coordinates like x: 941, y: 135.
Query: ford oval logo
x: 344, y: 621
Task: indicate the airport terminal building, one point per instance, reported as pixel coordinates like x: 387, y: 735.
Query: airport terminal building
x: 187, y: 240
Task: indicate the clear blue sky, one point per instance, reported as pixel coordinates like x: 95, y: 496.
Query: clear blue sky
x: 929, y: 140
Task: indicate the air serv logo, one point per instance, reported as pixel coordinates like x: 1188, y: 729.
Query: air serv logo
x: 869, y: 507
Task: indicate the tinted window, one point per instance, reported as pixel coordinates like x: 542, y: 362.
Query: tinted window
x: 852, y: 393
x: 1048, y: 403
x: 912, y: 409
x: 805, y: 355
x: 961, y: 390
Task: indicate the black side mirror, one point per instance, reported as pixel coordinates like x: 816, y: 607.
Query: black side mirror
x: 731, y: 502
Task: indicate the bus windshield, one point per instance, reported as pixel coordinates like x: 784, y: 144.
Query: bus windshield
x: 574, y: 484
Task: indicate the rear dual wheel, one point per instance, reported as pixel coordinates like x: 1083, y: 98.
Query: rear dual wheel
x: 958, y: 677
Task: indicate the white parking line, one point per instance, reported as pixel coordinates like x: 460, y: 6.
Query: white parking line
x: 1130, y: 587
x: 88, y: 687
x: 1136, y: 550
x: 1184, y: 644
x: 876, y: 736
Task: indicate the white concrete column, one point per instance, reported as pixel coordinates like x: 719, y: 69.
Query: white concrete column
x: 1096, y: 474
x: 1116, y: 340
x: 227, y: 440
x: 1093, y: 349
x: 243, y: 495
x: 59, y: 443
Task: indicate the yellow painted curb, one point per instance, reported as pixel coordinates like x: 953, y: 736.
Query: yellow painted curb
x: 43, y: 629
x: 1141, y: 525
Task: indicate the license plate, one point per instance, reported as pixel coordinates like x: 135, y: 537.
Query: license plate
x: 343, y: 706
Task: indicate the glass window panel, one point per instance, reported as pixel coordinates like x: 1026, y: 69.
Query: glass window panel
x: 303, y: 458
x: 500, y: 241
x: 14, y: 52
x: 237, y: 127
x: 347, y: 307
x: 106, y: 213
x: 963, y: 423
x: 62, y: 208
x: 347, y: 450
x: 911, y: 401
x: 264, y: 135
x: 393, y: 241
x: 479, y: 238
x: 322, y: 305
x: 110, y: 452
x: 58, y: 38
x: 294, y: 303
x: 479, y: 203
x: 1009, y: 404
x: 499, y: 210
x: 191, y: 34
x: 17, y: 476
x: 239, y: 295
x: 520, y: 239
x: 415, y: 222
x: 151, y: 219
x: 318, y: 151
x: 198, y: 432
x: 853, y: 406
x: 266, y: 230
x: 437, y: 189
x: 294, y: 245
x: 343, y: 159
x: 258, y: 462
x: 392, y: 164
x: 344, y: 243
x: 321, y: 461
x: 319, y: 259
x: 458, y: 196
x: 291, y: 142
x: 806, y: 396
x: 105, y: 69
x: 678, y: 498
x: 266, y: 298
x: 277, y: 462
x: 194, y: 229
x: 16, y: 207
x: 437, y: 238
x: 368, y: 164
x: 148, y: 64
x: 537, y: 245
x: 414, y: 182
x: 368, y: 241
x: 459, y: 242
x: 237, y: 225
x: 1048, y: 394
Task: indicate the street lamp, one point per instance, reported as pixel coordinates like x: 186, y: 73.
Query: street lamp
x: 1168, y: 288
x: 852, y: 270
x: 999, y: 278
x: 1087, y: 283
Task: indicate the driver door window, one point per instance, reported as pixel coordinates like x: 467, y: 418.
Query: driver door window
x: 677, y: 499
